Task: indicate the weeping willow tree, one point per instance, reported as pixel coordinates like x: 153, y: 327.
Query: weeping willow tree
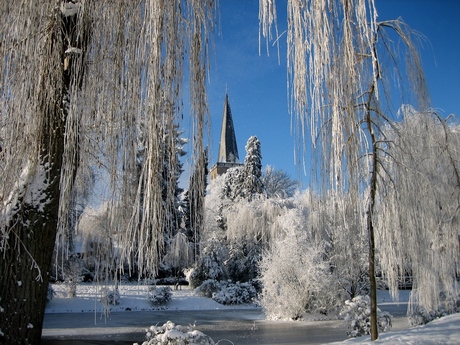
x: 424, y: 176
x: 342, y: 63
x: 78, y: 80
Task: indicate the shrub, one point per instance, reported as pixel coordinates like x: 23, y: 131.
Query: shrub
x: 291, y: 289
x: 159, y: 295
x: 419, y: 315
x: 209, y: 266
x: 238, y: 293
x: 110, y: 297
x: 208, y: 288
x: 226, y: 292
x: 171, y: 334
x: 358, y: 311
x: 71, y: 288
x: 72, y: 275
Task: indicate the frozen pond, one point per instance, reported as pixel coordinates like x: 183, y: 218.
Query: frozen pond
x: 79, y: 320
x: 238, y: 326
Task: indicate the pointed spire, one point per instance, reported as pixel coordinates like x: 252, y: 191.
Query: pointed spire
x: 228, y: 150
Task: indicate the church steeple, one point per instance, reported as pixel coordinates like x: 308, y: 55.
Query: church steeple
x: 228, y: 149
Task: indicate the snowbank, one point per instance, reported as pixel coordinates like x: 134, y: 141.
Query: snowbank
x: 445, y: 330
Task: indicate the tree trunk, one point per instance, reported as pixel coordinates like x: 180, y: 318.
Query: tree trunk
x: 370, y: 231
x: 373, y: 284
x: 25, y: 266
x: 27, y: 259
x: 26, y: 263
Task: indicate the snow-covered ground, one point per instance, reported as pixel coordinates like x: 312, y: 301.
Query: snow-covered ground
x: 445, y: 330
x: 133, y: 297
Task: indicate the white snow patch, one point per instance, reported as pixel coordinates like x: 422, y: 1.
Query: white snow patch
x: 35, y: 193
x: 30, y: 326
x: 30, y: 186
x: 69, y: 8
x: 445, y: 330
x: 133, y: 297
x: 10, y: 203
x: 73, y: 50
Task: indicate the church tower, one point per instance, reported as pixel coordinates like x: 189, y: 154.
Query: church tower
x: 228, y: 149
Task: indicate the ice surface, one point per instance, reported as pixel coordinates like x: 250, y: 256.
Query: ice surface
x: 134, y: 297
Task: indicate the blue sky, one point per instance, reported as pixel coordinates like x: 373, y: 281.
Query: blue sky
x: 257, y: 83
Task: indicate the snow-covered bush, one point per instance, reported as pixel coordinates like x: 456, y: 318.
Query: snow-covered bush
x: 235, y: 293
x: 358, y: 312
x: 159, y: 295
x: 110, y: 297
x: 227, y: 292
x: 171, y: 334
x: 209, y: 266
x: 295, y: 278
x: 419, y: 315
x: 208, y: 288
x: 244, y: 256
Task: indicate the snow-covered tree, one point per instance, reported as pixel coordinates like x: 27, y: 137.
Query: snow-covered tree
x: 295, y: 277
x: 180, y: 253
x: 211, y: 262
x: 278, y: 183
x: 421, y: 190
x: 244, y: 228
x: 250, y: 228
x: 336, y: 223
x: 98, y: 238
x: 79, y: 77
x: 245, y: 182
x: 233, y: 184
x: 252, y: 169
x: 196, y: 194
x: 341, y: 62
x: 172, y: 170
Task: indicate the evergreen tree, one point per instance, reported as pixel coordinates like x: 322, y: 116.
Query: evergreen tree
x: 245, y: 182
x: 252, y: 170
x: 173, y: 168
x: 172, y: 150
x: 197, y: 193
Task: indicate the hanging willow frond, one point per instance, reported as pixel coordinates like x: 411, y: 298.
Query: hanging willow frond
x: 128, y: 62
x: 344, y: 67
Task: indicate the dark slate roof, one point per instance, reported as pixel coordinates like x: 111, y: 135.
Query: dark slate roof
x: 228, y: 149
